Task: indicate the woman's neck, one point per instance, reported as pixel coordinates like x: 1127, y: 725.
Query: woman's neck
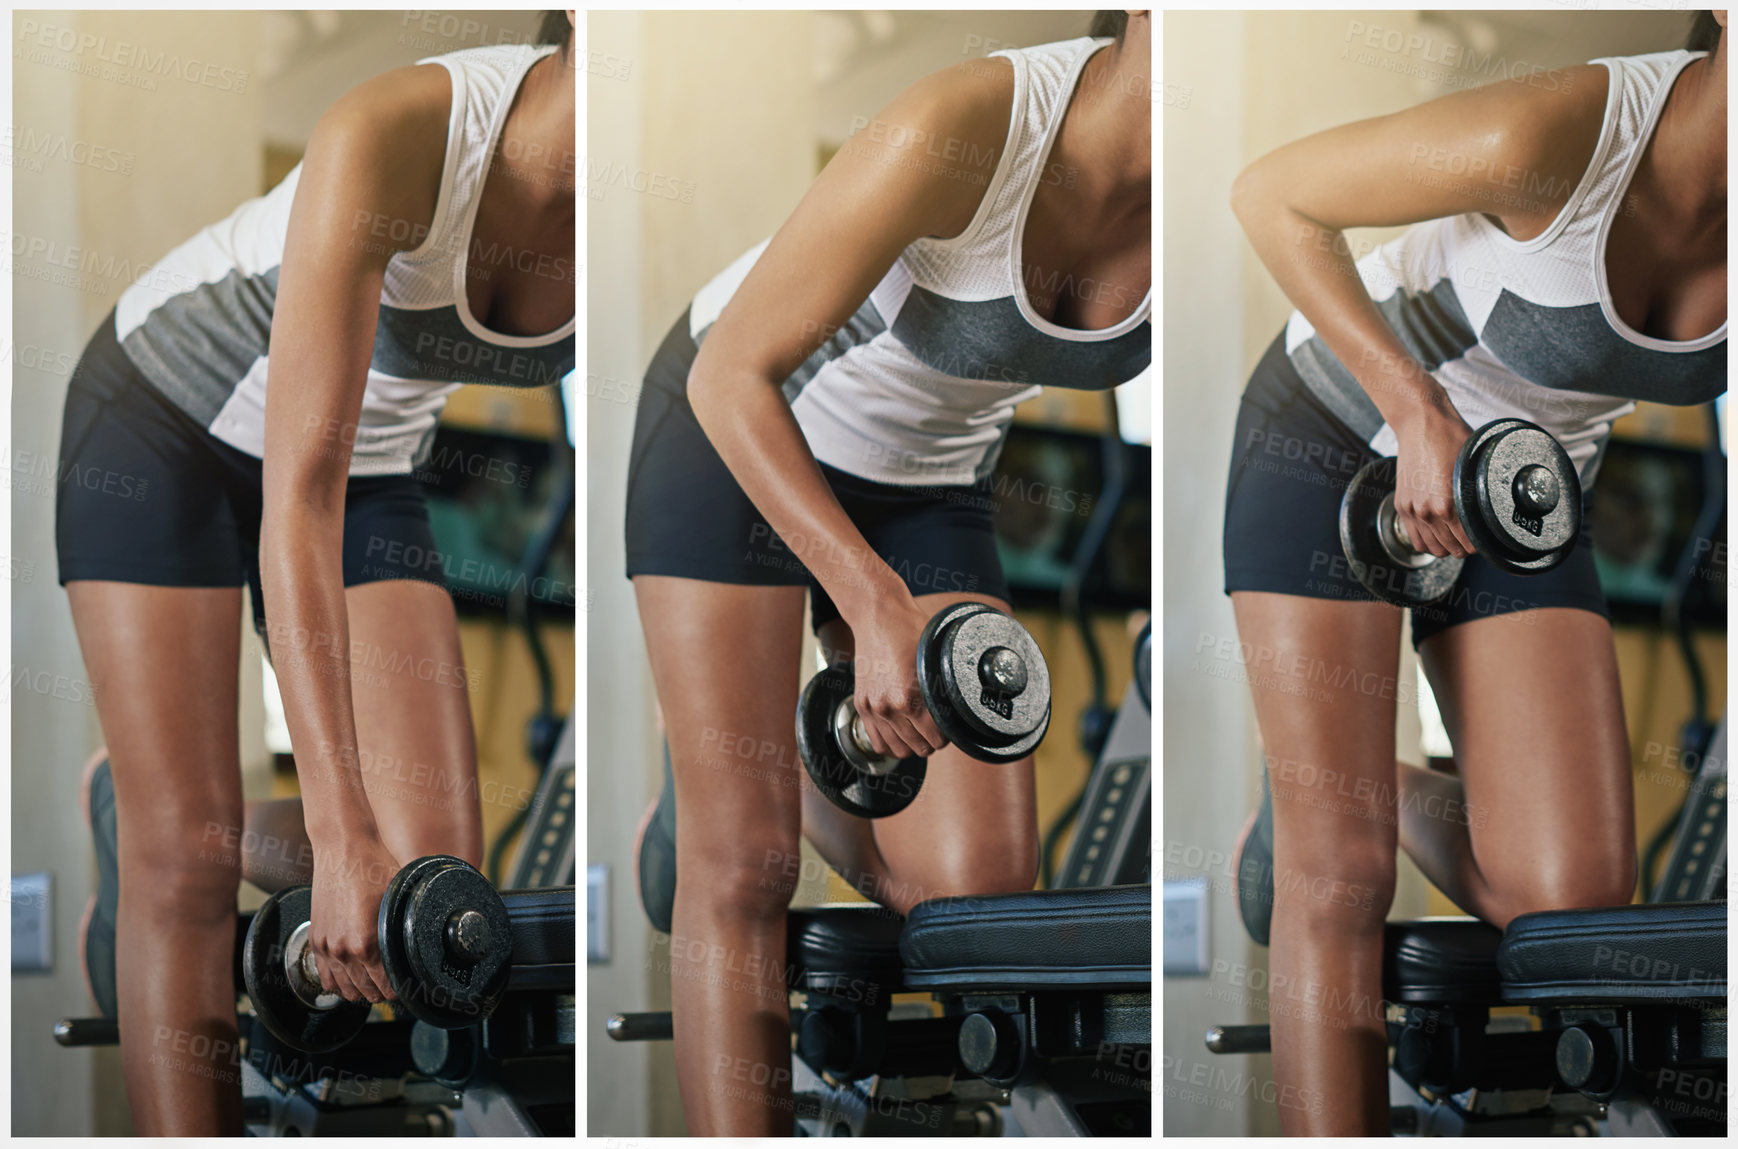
x: 537, y: 139
x: 1106, y: 141
x: 1688, y: 153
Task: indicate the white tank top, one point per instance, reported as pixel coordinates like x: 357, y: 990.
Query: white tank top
x: 1527, y: 328
x: 919, y: 386
x: 199, y: 323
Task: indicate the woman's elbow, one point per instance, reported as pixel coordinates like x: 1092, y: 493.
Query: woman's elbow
x: 1246, y: 192
x: 709, y: 388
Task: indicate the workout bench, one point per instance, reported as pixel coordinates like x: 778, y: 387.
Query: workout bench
x: 511, y: 1074
x: 1580, y: 1022
x: 1040, y: 1002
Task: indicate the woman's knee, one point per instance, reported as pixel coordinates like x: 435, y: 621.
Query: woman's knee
x: 182, y: 856
x: 1345, y: 886
x: 187, y: 880
x: 742, y: 876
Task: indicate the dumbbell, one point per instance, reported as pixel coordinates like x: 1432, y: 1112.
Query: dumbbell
x: 1516, y: 493
x: 445, y: 938
x: 985, y: 683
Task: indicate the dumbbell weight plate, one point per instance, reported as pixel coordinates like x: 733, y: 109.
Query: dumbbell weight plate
x: 393, y: 908
x: 1364, y: 510
x: 991, y: 725
x: 459, y: 942
x: 1513, y: 536
x: 422, y: 934
x: 841, y: 782
x: 276, y: 1003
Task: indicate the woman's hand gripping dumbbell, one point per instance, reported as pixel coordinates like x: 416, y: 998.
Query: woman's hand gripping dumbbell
x: 1517, y: 496
x: 984, y: 682
x: 446, y: 941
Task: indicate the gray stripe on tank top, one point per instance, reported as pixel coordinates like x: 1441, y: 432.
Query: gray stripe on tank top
x: 992, y: 341
x: 434, y: 344
x: 1575, y: 349
x: 1434, y: 329
x: 1556, y: 348
x: 198, y: 345
x: 864, y: 325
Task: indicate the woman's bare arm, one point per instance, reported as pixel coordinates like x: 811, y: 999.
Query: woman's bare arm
x: 375, y: 157
x: 891, y: 184
x: 1514, y: 151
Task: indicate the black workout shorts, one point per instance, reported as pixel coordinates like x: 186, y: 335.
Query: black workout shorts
x: 687, y: 516
x: 1290, y: 464
x: 144, y: 494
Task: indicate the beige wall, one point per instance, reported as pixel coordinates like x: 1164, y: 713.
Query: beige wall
x: 1237, y: 85
x: 1209, y: 757
x: 189, y: 152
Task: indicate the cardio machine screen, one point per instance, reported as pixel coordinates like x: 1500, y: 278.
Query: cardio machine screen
x: 1050, y: 488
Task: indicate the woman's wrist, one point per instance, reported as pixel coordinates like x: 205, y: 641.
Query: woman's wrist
x: 1421, y: 403
x: 333, y: 833
x: 874, y: 591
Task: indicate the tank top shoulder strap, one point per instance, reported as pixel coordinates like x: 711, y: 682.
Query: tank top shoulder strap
x: 484, y: 80
x: 1044, y: 79
x: 1639, y: 85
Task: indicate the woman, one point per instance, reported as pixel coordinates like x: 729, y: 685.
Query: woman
x: 425, y: 241
x: 1587, y: 270
x: 825, y: 418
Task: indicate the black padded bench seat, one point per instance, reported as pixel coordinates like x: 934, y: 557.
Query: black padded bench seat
x: 1448, y: 961
x: 1073, y: 938
x: 843, y: 948
x: 1619, y: 953
x: 1674, y: 950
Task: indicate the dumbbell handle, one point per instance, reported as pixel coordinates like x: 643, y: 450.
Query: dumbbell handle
x: 1398, y: 527
x: 853, y: 740
x: 1000, y: 670
x: 1392, y: 534
x: 1536, y: 492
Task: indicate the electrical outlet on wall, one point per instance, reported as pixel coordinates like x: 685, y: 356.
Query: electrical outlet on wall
x: 597, y: 913
x: 1186, y: 927
x: 32, y: 922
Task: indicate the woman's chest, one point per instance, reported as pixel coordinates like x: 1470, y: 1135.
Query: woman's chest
x: 1081, y: 268
x: 521, y: 277
x: 1667, y: 281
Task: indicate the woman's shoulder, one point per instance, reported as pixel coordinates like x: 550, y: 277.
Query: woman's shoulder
x: 379, y: 151
x: 1541, y: 104
x: 1543, y: 125
x: 414, y: 99
x: 398, y: 117
x: 971, y: 102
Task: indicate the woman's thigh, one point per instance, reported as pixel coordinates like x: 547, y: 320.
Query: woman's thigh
x: 725, y: 661
x: 163, y: 665
x: 1324, y: 676
x: 412, y: 701
x: 1534, y: 711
